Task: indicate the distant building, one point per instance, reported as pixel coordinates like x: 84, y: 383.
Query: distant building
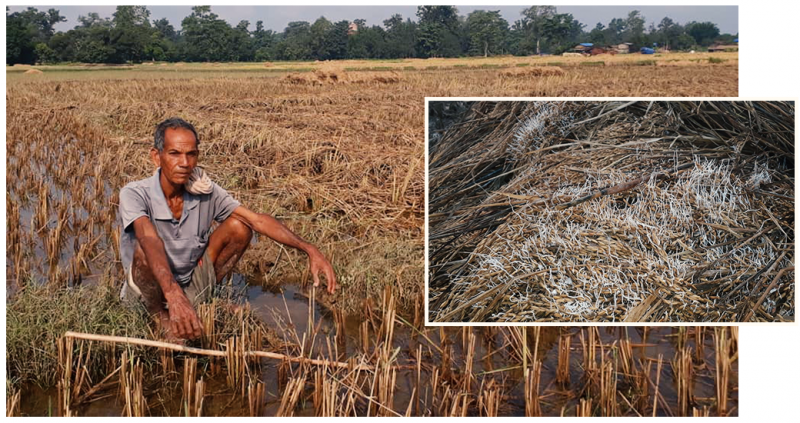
x: 352, y: 28
x: 723, y: 47
x: 623, y: 48
x: 583, y: 48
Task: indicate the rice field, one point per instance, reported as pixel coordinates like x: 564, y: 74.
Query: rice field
x: 338, y: 155
x: 622, y: 75
x: 612, y: 211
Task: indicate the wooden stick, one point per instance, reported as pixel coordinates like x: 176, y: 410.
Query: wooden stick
x: 625, y: 186
x: 201, y: 351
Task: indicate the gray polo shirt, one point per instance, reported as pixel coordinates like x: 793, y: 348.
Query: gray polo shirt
x: 186, y: 240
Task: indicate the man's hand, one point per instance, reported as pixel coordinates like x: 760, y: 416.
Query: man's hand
x: 318, y: 263
x: 182, y: 316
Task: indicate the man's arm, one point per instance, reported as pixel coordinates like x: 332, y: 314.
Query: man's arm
x: 273, y: 228
x: 182, y: 314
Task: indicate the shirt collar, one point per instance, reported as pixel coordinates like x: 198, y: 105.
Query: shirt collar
x: 161, y: 209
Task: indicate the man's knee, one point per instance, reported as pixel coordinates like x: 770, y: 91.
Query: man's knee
x: 239, y: 231
x: 139, y: 258
x: 146, y: 285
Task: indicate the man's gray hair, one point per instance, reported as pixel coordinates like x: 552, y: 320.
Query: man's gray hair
x: 171, y: 123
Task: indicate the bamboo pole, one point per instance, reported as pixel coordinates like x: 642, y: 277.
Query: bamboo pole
x: 201, y: 351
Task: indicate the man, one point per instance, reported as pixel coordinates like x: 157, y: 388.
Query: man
x: 171, y: 256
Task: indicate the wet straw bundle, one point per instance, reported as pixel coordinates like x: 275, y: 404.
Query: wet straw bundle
x: 611, y: 211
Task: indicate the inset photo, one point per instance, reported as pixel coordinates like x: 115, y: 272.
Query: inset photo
x: 610, y: 211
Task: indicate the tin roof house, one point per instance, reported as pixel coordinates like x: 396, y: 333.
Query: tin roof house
x: 583, y: 48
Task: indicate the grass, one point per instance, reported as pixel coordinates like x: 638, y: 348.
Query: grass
x: 40, y: 315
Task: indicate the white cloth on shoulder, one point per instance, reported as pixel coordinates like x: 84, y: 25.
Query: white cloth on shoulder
x: 199, y: 182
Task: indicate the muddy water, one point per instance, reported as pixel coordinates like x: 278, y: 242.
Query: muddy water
x: 290, y: 307
x: 79, y: 230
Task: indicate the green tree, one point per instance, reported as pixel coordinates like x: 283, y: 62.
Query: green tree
x: 93, y: 44
x: 725, y: 38
x: 45, y: 54
x: 264, y: 42
x: 487, y: 32
x: 130, y: 34
x: 25, y: 30
x: 293, y: 42
x: 561, y: 32
x: 367, y: 43
x: 162, y: 43
x: 684, y: 42
x: 668, y: 31
x: 532, y: 25
x: 597, y: 35
x: 19, y: 46
x: 336, y: 39
x: 316, y: 37
x: 63, y: 46
x: 615, y: 31
x: 437, y: 33
x: 93, y: 19
x: 131, y: 16
x: 91, y: 39
x: 240, y: 43
x: 400, y: 37
x: 166, y: 29
x: 704, y: 33
x: 40, y: 24
x: 205, y: 37
x: 634, y: 29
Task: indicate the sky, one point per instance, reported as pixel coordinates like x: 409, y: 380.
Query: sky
x: 276, y: 17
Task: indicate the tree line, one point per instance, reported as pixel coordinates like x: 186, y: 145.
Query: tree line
x: 130, y: 36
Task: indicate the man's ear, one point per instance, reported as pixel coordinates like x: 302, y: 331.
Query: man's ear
x: 155, y: 157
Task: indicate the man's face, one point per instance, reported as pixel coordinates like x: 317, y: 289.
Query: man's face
x: 179, y: 156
